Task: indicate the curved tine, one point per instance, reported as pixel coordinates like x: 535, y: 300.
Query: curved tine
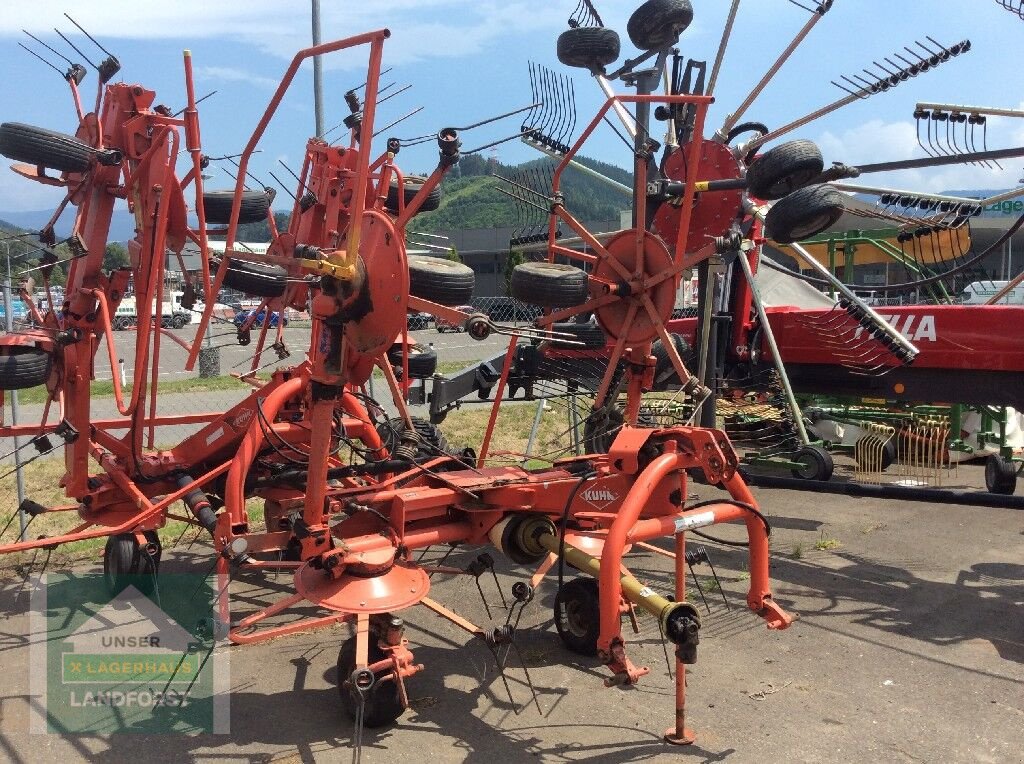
x: 984, y: 140
x: 572, y: 108
x: 528, y: 120
x: 918, y: 120
x: 972, y: 124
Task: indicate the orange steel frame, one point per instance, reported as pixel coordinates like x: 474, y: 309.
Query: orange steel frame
x: 341, y: 526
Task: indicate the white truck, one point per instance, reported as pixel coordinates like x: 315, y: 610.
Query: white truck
x: 980, y: 292
x: 173, y: 315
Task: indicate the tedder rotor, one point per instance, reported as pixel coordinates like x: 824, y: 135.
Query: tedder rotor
x: 349, y: 493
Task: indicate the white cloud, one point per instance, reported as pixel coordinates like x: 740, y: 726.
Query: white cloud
x: 421, y: 29
x: 229, y: 74
x: 876, y: 141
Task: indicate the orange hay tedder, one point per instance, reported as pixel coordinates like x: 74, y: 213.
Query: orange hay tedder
x: 350, y: 495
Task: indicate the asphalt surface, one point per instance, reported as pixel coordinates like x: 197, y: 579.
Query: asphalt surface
x: 234, y: 358
x: 908, y: 648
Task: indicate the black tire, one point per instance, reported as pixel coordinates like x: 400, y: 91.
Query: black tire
x: 422, y: 360
x: 803, y: 214
x: 217, y: 206
x: 868, y: 446
x: 1000, y: 475
x: 383, y: 704
x: 22, y: 366
x: 445, y: 282
x: 784, y: 169
x: 591, y: 335
x: 664, y: 372
x: 549, y: 285
x: 601, y: 427
x: 578, y: 615
x: 432, y: 440
x: 125, y: 562
x: 657, y: 24
x: 45, y: 148
x: 413, y: 184
x: 588, y: 47
x: 178, y: 321
x: 816, y: 463
x: 255, y: 279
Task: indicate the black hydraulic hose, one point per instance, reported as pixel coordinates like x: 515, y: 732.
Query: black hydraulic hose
x: 197, y: 502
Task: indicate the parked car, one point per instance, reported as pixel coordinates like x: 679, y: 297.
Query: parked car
x: 242, y: 316
x: 444, y: 325
x: 417, y: 321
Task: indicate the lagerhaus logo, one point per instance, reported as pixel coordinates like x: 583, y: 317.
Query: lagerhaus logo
x: 132, y: 662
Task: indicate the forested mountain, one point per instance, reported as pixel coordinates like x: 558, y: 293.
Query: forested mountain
x: 472, y: 194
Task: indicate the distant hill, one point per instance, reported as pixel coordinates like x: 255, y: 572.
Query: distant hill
x: 472, y: 196
x: 122, y: 222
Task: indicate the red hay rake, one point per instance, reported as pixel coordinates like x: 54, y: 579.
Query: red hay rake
x: 349, y: 530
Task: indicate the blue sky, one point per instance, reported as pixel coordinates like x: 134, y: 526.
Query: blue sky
x: 468, y: 60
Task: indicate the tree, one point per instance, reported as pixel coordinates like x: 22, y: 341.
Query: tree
x: 514, y: 258
x: 453, y: 255
x: 115, y: 256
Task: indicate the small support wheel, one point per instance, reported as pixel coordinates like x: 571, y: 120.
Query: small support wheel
x: 578, y: 615
x: 1000, y: 475
x: 549, y: 285
x: 383, y: 703
x: 588, y: 47
x: 816, y: 463
x: 658, y: 23
x: 443, y: 281
x: 126, y: 563
x: 803, y: 214
x: 784, y: 169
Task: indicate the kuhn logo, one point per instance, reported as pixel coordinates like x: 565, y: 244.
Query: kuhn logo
x: 909, y: 327
x: 599, y: 497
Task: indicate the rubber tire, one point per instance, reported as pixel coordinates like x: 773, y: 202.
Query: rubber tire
x: 124, y: 563
x: 871, y: 441
x: 657, y: 24
x: 803, y: 214
x: 255, y: 279
x: 45, y: 148
x: 818, y: 464
x: 422, y: 360
x: 383, y: 704
x: 217, y: 206
x: 549, y: 285
x: 591, y: 335
x: 23, y: 367
x: 784, y: 169
x: 429, y: 433
x: 664, y: 371
x: 577, y: 612
x: 120, y: 323
x: 178, y: 322
x: 413, y: 184
x: 588, y: 47
x: 1000, y: 475
x: 445, y: 282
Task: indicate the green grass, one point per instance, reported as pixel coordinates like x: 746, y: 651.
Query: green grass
x: 798, y: 551
x: 105, y: 389
x: 827, y: 543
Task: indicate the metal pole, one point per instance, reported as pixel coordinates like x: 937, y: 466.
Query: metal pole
x: 20, y: 478
x: 769, y: 335
x: 318, y: 83
x: 721, y: 47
